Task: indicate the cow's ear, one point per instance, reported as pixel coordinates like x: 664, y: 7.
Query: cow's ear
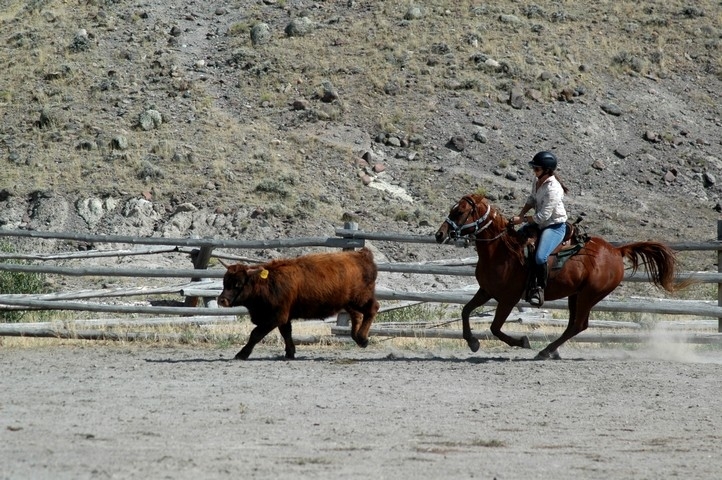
x: 259, y: 271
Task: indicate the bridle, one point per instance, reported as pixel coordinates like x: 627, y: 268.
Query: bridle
x: 478, y: 226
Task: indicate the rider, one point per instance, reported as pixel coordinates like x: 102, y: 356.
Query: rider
x: 550, y: 216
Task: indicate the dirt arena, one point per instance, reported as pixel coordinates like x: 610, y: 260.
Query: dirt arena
x: 87, y: 410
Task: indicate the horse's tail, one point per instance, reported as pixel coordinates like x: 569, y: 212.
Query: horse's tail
x: 659, y: 261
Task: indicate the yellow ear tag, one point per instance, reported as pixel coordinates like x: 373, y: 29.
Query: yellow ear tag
x: 264, y: 274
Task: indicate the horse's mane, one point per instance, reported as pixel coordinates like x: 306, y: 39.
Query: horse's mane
x: 513, y: 240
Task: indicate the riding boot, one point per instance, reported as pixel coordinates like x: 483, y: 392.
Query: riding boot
x: 537, y: 296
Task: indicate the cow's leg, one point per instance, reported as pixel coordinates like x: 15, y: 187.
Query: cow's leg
x: 285, y: 330
x: 356, y: 324
x: 369, y: 314
x: 256, y: 336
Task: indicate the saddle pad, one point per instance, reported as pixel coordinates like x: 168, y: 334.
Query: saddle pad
x: 564, y: 254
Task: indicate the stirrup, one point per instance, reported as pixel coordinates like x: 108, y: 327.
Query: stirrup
x: 536, y: 299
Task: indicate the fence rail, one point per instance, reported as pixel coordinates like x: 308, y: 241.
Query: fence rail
x: 204, y: 282
x: 191, y: 242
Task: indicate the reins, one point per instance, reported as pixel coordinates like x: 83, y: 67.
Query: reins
x: 492, y: 238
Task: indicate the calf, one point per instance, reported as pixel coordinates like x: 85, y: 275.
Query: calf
x: 311, y: 286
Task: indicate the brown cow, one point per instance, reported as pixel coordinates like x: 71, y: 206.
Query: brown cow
x: 311, y: 286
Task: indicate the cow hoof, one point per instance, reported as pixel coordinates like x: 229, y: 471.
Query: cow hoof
x: 525, y: 342
x: 362, y: 342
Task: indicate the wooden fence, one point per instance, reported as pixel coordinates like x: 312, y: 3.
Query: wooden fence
x: 205, y: 285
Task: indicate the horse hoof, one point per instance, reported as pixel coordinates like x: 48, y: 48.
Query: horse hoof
x: 473, y: 344
x: 544, y: 355
x: 242, y: 356
x: 525, y: 342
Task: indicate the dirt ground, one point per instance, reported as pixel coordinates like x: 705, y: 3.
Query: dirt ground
x: 87, y: 410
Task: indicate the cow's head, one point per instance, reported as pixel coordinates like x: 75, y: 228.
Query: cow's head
x: 238, y: 284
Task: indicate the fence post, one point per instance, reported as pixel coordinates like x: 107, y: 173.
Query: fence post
x: 350, y: 226
x: 343, y: 318
x: 200, y: 259
x: 719, y: 269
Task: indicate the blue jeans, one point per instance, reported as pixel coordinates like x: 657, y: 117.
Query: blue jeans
x: 549, y: 239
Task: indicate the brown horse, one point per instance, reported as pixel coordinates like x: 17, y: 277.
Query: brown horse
x: 586, y: 277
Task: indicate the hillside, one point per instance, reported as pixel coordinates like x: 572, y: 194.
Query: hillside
x: 272, y: 118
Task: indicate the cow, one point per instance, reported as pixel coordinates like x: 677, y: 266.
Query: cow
x: 311, y: 286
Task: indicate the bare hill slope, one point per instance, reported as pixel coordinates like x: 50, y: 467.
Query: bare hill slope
x: 170, y: 118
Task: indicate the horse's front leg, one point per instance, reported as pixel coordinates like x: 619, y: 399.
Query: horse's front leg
x: 502, y: 313
x: 479, y: 299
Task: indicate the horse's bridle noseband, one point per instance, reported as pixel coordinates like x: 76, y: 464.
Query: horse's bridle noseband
x: 478, y: 225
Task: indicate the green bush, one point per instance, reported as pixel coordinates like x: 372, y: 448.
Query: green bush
x: 418, y: 313
x: 18, y: 282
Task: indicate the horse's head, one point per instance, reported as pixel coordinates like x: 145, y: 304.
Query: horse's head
x: 467, y: 217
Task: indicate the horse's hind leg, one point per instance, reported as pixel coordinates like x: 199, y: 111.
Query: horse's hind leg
x: 479, y: 299
x: 502, y: 313
x: 578, y: 322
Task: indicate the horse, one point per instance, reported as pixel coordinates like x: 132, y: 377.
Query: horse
x: 585, y: 278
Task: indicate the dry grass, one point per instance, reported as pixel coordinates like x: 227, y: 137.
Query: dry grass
x: 233, y: 336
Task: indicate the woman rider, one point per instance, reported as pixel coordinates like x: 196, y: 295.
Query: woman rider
x: 550, y: 216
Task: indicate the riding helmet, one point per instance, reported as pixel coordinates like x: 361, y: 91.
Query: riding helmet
x: 546, y: 160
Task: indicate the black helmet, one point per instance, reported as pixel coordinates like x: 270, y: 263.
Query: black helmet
x: 546, y: 160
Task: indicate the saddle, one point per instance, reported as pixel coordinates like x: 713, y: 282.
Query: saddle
x: 574, y: 240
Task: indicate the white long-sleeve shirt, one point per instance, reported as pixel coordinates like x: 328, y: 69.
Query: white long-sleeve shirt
x: 548, y: 202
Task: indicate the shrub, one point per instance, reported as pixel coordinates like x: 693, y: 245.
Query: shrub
x: 18, y: 282
x: 272, y: 187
